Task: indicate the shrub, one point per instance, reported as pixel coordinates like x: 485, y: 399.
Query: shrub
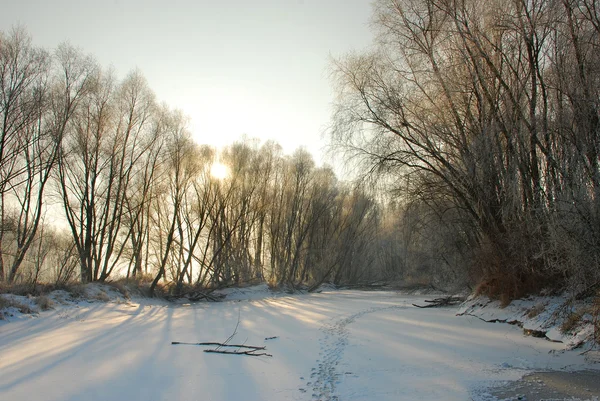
x: 570, y: 322
x: 514, y: 263
x: 8, y: 303
x: 29, y: 289
x: 138, y: 285
x: 102, y: 296
x: 26, y: 309
x: 3, y: 303
x: 16, y: 289
x: 121, y: 286
x: 43, y: 302
x: 76, y: 290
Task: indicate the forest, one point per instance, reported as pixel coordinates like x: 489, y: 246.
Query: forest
x: 484, y: 117
x: 475, y: 127
x: 99, y: 181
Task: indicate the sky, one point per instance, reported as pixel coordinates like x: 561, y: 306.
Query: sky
x: 258, y: 68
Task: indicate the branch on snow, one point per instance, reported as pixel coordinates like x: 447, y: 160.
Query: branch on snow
x: 438, y: 302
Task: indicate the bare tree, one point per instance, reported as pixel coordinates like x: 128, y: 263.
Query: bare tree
x: 99, y: 157
x: 481, y: 104
x: 23, y: 83
x: 181, y: 169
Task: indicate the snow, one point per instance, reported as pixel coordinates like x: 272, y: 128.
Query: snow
x: 544, y: 315
x: 335, y: 345
x: 260, y: 291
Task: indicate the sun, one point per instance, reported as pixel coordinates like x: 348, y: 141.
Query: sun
x: 219, y: 171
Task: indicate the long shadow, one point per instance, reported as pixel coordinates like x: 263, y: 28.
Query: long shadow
x: 91, y: 348
x: 151, y: 367
x: 20, y: 331
x: 130, y: 356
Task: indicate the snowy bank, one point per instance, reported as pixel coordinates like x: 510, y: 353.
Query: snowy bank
x: 17, y: 307
x: 558, y: 319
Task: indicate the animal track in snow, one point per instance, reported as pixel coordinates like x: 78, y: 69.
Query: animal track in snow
x: 325, y: 376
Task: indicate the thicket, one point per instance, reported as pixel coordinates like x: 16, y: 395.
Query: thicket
x: 100, y: 181
x: 484, y: 118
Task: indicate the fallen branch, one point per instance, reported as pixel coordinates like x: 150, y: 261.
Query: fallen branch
x: 438, y: 302
x: 249, y: 353
x: 250, y: 350
x: 234, y: 331
x: 210, y: 344
x: 196, y: 295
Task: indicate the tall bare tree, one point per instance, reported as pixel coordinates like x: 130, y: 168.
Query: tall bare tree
x: 23, y: 86
x: 181, y: 167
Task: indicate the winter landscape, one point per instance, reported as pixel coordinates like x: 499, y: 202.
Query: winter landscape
x: 300, y: 200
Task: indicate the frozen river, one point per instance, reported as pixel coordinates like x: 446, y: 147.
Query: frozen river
x: 339, y: 345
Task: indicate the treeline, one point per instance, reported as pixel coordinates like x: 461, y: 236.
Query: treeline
x: 485, y: 119
x: 98, y: 180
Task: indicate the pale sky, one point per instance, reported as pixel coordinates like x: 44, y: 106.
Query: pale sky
x: 254, y: 67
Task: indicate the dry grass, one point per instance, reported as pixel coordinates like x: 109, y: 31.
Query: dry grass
x: 571, y: 322
x: 139, y: 286
x: 508, y: 287
x: 121, y: 286
x: 536, y: 310
x: 492, y: 288
x: 10, y: 303
x: 508, y: 265
x: 25, y: 309
x: 102, y: 296
x: 76, y: 290
x: 37, y: 289
x: 272, y: 283
x: 43, y: 302
x: 18, y: 289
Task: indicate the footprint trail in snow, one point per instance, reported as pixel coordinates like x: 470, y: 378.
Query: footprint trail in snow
x: 324, y: 376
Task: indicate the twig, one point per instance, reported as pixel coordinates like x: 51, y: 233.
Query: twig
x: 220, y: 345
x: 234, y: 331
x: 250, y: 350
x: 249, y: 353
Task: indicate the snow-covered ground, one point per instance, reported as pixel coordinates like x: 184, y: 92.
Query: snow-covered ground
x: 540, y: 316
x: 335, y: 345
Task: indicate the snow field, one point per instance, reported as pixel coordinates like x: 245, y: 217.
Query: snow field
x: 339, y: 345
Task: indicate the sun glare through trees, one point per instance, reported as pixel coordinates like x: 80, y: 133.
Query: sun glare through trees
x: 483, y: 118
x: 219, y: 171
